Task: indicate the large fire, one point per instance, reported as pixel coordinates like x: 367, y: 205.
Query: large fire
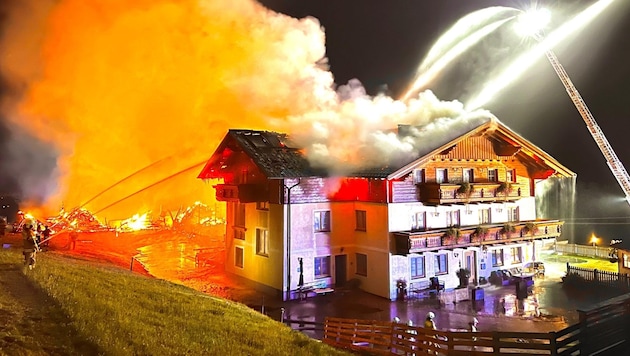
x: 134, y: 95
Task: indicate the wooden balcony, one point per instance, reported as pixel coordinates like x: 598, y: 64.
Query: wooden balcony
x: 244, y: 193
x: 420, y: 241
x: 448, y: 193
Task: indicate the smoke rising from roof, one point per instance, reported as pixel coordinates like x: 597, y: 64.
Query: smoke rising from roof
x: 114, y: 86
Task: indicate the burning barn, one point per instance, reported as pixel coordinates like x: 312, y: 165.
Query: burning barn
x: 468, y: 201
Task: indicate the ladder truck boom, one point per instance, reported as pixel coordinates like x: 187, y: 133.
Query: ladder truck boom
x: 616, y: 167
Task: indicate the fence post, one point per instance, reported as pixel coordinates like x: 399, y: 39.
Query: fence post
x: 131, y: 264
x: 583, y: 335
x: 552, y: 343
x: 595, y: 276
x: 282, y: 315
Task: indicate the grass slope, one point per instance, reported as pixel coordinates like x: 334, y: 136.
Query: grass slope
x: 89, y: 309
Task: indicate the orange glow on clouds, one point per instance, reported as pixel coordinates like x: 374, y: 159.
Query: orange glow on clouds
x: 122, y: 84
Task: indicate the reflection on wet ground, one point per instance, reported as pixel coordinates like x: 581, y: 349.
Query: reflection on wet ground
x: 170, y: 255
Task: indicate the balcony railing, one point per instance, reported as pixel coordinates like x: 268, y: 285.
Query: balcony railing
x: 420, y: 241
x: 448, y: 193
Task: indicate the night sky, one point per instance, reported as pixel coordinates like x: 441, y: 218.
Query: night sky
x: 381, y: 43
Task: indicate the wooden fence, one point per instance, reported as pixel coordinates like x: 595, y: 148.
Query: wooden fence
x: 582, y: 250
x: 601, y: 330
x: 601, y: 278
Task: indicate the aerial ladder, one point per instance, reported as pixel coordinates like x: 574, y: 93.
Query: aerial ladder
x: 616, y: 167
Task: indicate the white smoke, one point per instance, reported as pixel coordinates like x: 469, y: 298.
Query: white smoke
x: 359, y: 132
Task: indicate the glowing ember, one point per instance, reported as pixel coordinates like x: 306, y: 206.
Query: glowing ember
x: 136, y: 222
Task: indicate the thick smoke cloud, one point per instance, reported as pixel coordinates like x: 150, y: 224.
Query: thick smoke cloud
x: 141, y: 92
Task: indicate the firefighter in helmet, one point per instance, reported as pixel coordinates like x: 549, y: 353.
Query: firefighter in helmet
x: 30, y: 244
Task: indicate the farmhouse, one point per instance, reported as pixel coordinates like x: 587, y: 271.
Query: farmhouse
x: 468, y: 202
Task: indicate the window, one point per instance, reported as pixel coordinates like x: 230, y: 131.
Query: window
x: 418, y: 176
x: 322, y: 267
x: 493, y: 175
x: 511, y: 175
x: 515, y: 254
x: 441, y: 264
x: 322, y: 221
x: 361, y: 264
x: 262, y: 205
x: 452, y: 218
x: 417, y: 267
x: 484, y: 216
x: 626, y: 260
x: 468, y: 175
x: 239, y: 233
x: 238, y: 257
x: 239, y: 214
x: 262, y: 242
x: 418, y: 221
x: 361, y: 220
x: 513, y: 213
x: 441, y: 175
x: 497, y: 257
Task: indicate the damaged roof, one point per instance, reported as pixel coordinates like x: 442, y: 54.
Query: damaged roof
x: 278, y: 157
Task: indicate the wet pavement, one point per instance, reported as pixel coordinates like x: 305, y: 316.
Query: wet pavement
x: 548, y: 307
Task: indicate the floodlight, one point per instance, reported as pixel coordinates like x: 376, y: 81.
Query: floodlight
x: 532, y: 21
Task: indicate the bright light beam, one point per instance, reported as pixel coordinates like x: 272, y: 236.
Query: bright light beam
x: 459, y: 37
x: 532, y: 22
x: 434, y: 70
x: 526, y: 60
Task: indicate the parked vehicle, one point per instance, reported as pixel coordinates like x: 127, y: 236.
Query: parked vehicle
x: 537, y: 268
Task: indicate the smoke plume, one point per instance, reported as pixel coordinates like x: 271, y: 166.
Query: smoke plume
x: 131, y: 97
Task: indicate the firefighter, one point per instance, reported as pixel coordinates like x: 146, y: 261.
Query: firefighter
x: 3, y: 225
x: 30, y: 244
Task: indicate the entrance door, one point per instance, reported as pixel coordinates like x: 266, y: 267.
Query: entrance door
x: 340, y: 270
x: 471, y: 264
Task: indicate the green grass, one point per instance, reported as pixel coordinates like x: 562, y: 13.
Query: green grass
x: 118, y: 313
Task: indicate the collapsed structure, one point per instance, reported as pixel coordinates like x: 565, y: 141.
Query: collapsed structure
x: 467, y: 203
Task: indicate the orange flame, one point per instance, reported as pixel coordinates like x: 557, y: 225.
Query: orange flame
x: 125, y: 83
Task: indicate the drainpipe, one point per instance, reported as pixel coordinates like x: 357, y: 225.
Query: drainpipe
x: 288, y: 242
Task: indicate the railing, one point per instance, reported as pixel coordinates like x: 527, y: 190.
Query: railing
x: 583, y: 250
x: 602, y: 329
x: 601, y: 278
x: 418, y: 241
x: 448, y: 193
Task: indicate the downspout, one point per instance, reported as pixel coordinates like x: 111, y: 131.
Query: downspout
x: 288, y: 242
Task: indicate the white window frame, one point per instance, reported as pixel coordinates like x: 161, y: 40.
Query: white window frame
x: 262, y: 242
x: 485, y: 215
x: 321, y: 221
x: 418, y: 176
x: 441, y: 264
x: 468, y: 175
x: 495, y: 258
x: 239, y: 251
x: 453, y: 218
x: 510, y: 175
x: 493, y: 175
x: 322, y: 267
x: 414, y: 262
x: 441, y: 175
x: 513, y: 213
x: 419, y: 220
x: 516, y: 254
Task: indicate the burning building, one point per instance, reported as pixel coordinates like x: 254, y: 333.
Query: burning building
x: 467, y: 200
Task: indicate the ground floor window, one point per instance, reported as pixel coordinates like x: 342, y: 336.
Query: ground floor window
x: 262, y: 242
x: 497, y: 257
x: 238, y: 257
x: 322, y: 267
x: 626, y: 260
x: 515, y: 254
x: 441, y: 264
x: 417, y: 267
x: 361, y: 264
